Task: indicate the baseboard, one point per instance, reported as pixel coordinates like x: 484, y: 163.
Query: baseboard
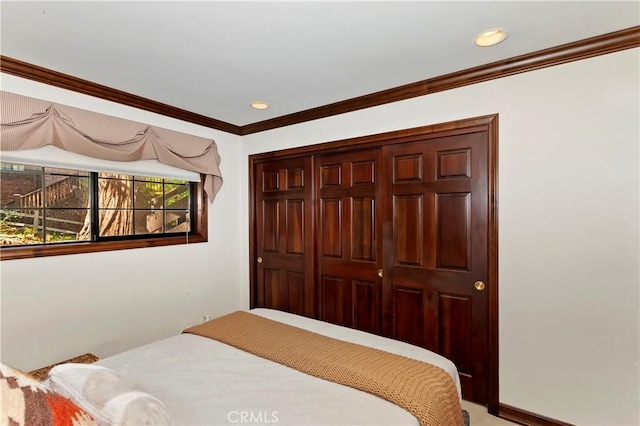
x: 526, y: 418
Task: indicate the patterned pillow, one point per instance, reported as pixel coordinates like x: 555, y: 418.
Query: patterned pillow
x: 25, y: 401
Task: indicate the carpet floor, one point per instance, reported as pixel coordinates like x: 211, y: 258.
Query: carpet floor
x: 479, y: 416
x: 42, y: 373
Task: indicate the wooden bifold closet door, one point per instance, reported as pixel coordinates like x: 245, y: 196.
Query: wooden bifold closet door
x: 436, y: 227
x: 284, y: 236
x: 390, y: 235
x: 349, y: 247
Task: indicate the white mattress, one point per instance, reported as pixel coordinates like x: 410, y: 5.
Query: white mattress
x: 205, y: 382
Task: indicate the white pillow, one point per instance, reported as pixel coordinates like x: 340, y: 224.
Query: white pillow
x: 106, y: 396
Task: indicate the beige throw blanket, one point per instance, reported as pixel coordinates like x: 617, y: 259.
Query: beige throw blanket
x: 426, y: 391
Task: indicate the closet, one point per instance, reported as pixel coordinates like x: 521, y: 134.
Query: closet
x: 394, y: 234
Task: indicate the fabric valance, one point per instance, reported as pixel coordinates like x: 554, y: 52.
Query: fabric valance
x: 29, y: 123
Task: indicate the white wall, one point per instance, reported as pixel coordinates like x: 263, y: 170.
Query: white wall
x: 54, y: 308
x: 568, y: 226
x: 568, y: 248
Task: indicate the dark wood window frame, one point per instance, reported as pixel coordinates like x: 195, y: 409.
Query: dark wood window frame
x: 198, y: 234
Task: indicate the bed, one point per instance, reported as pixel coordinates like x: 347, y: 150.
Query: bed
x: 202, y: 381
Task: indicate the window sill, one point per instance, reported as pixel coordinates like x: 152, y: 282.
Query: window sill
x: 27, y: 252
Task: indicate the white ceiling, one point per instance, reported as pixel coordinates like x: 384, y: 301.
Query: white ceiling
x: 215, y: 57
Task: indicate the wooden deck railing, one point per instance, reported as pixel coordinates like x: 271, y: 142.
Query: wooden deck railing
x: 56, y: 191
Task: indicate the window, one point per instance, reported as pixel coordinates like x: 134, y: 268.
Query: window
x: 49, y: 211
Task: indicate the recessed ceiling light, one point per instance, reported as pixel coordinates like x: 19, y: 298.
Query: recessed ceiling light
x: 259, y: 105
x: 491, y: 38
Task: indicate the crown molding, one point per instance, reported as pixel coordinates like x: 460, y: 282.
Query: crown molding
x: 583, y: 49
x: 65, y: 81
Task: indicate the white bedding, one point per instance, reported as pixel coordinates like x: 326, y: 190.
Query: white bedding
x: 204, y: 382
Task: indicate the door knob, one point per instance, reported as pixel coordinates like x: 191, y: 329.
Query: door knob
x: 479, y: 285
x: 380, y: 273
x: 259, y: 259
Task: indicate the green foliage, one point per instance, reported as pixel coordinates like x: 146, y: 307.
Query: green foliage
x: 175, y: 198
x: 12, y: 235
x: 56, y: 237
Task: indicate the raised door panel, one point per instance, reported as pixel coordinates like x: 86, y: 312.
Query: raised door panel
x: 453, y: 239
x: 337, y: 299
x: 283, y: 240
x: 284, y: 290
x: 363, y: 231
x: 270, y: 225
x: 295, y: 227
x: 350, y: 303
x: 331, y: 220
x: 366, y: 306
x: 408, y: 229
x: 415, y: 310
